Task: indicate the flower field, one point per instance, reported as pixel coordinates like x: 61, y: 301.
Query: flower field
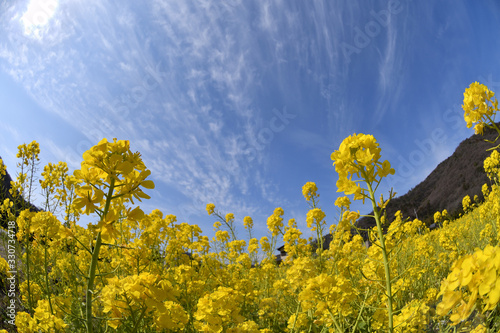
x: 136, y: 272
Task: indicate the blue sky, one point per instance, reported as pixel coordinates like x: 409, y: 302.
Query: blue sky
x: 240, y: 103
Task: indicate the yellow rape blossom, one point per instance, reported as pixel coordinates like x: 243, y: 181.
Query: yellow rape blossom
x: 479, y: 329
x: 309, y: 191
x: 3, y: 169
x: 473, y: 277
x: 47, y: 226
x: 218, y: 310
x: 28, y: 152
x: 247, y: 222
x: 491, y: 165
x: 438, y: 218
x: 245, y: 327
x: 264, y: 244
x: 155, y: 274
x: 343, y: 202
x: 7, y: 208
x: 412, y: 318
x: 485, y: 190
x: 315, y: 216
x: 171, y: 316
x: 298, y: 321
x: 479, y: 106
x: 25, y: 323
x: 275, y: 221
x: 210, y: 208
x: 328, y: 296
x: 42, y: 320
x: 253, y: 245
x: 123, y: 298
x: 466, y: 203
x: 359, y: 154
x: 4, y: 268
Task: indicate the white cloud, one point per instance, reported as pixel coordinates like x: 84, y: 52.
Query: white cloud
x: 37, y: 16
x: 182, y: 80
x: 63, y: 153
x: 390, y: 83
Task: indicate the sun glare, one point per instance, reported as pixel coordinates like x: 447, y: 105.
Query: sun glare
x: 38, y: 15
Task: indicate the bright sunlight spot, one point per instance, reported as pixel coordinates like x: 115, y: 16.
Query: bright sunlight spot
x: 38, y: 15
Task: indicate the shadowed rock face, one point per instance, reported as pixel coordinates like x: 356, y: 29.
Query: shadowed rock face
x: 459, y: 175
x: 5, y: 185
x: 19, y: 204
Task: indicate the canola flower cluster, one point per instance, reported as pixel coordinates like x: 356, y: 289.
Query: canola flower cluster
x: 359, y: 155
x: 131, y: 271
x: 480, y: 106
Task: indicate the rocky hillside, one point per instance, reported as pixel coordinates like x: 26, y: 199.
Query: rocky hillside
x: 459, y: 175
x: 19, y: 204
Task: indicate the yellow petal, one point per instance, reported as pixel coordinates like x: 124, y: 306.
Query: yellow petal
x: 148, y: 184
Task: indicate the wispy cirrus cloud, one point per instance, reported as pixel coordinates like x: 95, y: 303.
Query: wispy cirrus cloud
x: 226, y: 100
x: 180, y: 86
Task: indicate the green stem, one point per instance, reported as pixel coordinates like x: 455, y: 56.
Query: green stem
x: 28, y: 268
x: 295, y: 319
x: 360, y: 312
x: 337, y: 326
x: 47, y: 279
x: 31, y: 179
x: 94, y: 260
x: 388, y: 288
x: 319, y: 235
x: 28, y: 275
x: 136, y: 324
x: 90, y: 283
x: 493, y: 124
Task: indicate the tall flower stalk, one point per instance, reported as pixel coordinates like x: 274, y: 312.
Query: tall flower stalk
x: 110, y: 176
x: 359, y: 155
x: 21, y: 189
